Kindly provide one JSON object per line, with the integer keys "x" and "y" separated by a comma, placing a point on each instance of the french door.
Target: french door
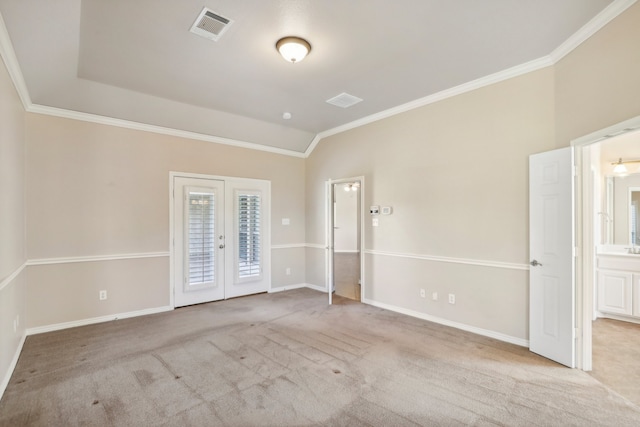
{"x": 221, "y": 238}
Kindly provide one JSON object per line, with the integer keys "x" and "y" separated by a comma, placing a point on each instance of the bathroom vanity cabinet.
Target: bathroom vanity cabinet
{"x": 618, "y": 284}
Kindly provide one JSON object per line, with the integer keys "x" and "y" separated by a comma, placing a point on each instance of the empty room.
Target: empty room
{"x": 297, "y": 212}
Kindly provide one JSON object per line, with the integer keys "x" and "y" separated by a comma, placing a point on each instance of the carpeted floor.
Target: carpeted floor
{"x": 288, "y": 359}
{"x": 616, "y": 356}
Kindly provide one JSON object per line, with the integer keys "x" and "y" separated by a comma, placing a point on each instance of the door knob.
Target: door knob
{"x": 535, "y": 263}
{"x": 221, "y": 246}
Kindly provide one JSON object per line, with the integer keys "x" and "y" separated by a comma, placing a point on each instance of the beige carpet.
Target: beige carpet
{"x": 616, "y": 356}
{"x": 287, "y": 359}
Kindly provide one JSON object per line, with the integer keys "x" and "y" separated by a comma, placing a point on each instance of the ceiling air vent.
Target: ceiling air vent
{"x": 344, "y": 100}
{"x": 210, "y": 25}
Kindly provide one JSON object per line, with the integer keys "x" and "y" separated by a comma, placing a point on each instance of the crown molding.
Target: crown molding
{"x": 11, "y": 61}
{"x": 128, "y": 124}
{"x": 7, "y": 52}
{"x": 590, "y": 28}
{"x": 500, "y": 76}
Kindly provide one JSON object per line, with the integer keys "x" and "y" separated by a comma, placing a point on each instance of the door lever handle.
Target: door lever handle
{"x": 535, "y": 263}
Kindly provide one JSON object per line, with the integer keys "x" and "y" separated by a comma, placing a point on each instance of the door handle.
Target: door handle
{"x": 221, "y": 246}
{"x": 535, "y": 263}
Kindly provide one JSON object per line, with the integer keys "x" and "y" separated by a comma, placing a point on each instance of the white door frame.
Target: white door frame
{"x": 585, "y": 240}
{"x": 329, "y": 234}
{"x": 226, "y": 179}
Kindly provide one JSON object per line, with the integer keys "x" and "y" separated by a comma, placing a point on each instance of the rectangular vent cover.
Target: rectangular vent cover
{"x": 344, "y": 100}
{"x": 210, "y": 25}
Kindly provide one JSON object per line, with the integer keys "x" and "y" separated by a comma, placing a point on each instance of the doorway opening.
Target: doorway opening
{"x": 591, "y": 227}
{"x": 609, "y": 300}
{"x": 345, "y": 239}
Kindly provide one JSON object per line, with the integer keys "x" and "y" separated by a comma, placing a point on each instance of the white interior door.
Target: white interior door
{"x": 330, "y": 237}
{"x": 198, "y": 241}
{"x": 222, "y": 239}
{"x": 551, "y": 240}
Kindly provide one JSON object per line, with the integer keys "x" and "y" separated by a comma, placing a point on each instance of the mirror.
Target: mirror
{"x": 621, "y": 225}
{"x": 634, "y": 225}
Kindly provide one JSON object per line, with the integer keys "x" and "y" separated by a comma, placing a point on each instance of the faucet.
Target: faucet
{"x": 633, "y": 250}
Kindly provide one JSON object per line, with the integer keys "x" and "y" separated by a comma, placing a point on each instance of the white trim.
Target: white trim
{"x": 287, "y": 288}
{"x": 298, "y": 286}
{"x": 482, "y": 263}
{"x": 620, "y": 318}
{"x": 12, "y": 366}
{"x": 93, "y": 320}
{"x": 312, "y": 146}
{"x": 69, "y": 260}
{"x": 479, "y": 331}
{"x": 13, "y": 67}
{"x": 500, "y": 76}
{"x": 316, "y": 246}
{"x": 584, "y": 265}
{"x": 12, "y": 276}
{"x": 590, "y": 28}
{"x": 289, "y": 246}
{"x": 603, "y": 18}
{"x": 316, "y": 287}
{"x": 348, "y": 251}
{"x": 128, "y": 124}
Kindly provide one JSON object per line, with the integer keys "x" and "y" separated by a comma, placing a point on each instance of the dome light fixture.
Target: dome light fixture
{"x": 293, "y": 49}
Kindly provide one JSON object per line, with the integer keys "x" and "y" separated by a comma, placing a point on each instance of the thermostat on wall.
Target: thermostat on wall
{"x": 387, "y": 210}
{"x": 374, "y": 210}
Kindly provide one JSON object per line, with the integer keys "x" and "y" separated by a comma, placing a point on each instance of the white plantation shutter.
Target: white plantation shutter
{"x": 200, "y": 236}
{"x": 249, "y": 235}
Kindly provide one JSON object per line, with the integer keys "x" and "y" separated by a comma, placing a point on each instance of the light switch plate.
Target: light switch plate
{"x": 374, "y": 222}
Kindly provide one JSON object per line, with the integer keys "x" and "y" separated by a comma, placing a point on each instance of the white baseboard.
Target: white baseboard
{"x": 91, "y": 321}
{"x": 316, "y": 287}
{"x": 287, "y": 288}
{"x": 12, "y": 366}
{"x": 621, "y": 318}
{"x": 484, "y": 332}
{"x": 298, "y": 286}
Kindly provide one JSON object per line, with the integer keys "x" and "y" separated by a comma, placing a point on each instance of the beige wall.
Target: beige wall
{"x": 96, "y": 190}
{"x": 12, "y": 223}
{"x": 456, "y": 175}
{"x": 598, "y": 84}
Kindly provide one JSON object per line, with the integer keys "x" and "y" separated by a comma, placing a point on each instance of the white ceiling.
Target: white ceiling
{"x": 136, "y": 59}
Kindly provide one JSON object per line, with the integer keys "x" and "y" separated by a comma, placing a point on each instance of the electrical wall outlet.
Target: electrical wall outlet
{"x": 452, "y": 298}
{"x": 434, "y": 296}
{"x": 423, "y": 293}
{"x": 102, "y": 295}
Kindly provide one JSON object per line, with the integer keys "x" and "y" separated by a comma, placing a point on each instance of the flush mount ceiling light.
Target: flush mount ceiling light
{"x": 620, "y": 169}
{"x": 293, "y": 49}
